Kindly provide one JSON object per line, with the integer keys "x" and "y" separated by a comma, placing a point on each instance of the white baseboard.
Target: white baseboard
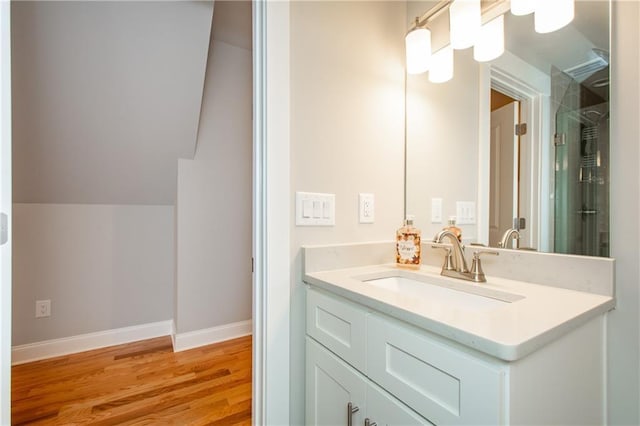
{"x": 207, "y": 336}
{"x": 85, "y": 342}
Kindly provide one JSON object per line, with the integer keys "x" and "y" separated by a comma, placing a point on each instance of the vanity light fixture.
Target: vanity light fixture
{"x": 441, "y": 65}
{"x": 490, "y": 42}
{"x": 466, "y": 30}
{"x": 465, "y": 19}
{"x": 418, "y": 49}
{"x": 523, "y": 7}
{"x": 550, "y": 16}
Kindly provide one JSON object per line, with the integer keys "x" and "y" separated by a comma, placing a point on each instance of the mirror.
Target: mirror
{"x": 550, "y": 183}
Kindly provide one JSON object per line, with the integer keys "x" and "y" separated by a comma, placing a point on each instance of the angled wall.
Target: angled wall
{"x": 213, "y": 209}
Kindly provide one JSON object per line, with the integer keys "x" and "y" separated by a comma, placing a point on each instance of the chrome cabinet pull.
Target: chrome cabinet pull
{"x": 368, "y": 422}
{"x": 351, "y": 409}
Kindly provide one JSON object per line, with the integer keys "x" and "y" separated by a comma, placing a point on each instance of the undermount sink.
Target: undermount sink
{"x": 442, "y": 291}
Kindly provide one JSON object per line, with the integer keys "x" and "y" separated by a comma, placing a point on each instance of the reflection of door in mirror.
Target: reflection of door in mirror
{"x": 504, "y": 167}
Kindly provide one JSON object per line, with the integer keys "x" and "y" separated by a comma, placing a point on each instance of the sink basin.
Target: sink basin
{"x": 443, "y": 292}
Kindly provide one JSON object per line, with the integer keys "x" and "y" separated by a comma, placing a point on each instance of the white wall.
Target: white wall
{"x": 102, "y": 267}
{"x": 347, "y": 132}
{"x": 624, "y": 322}
{"x": 214, "y": 196}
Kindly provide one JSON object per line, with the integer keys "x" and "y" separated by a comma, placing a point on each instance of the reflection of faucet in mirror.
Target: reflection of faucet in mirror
{"x": 510, "y": 235}
{"x": 459, "y": 268}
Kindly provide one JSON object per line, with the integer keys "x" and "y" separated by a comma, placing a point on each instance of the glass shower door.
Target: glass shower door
{"x": 581, "y": 177}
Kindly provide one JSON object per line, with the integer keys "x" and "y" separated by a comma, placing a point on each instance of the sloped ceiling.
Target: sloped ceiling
{"x": 106, "y": 98}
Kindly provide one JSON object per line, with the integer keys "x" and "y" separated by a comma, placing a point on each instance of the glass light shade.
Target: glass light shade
{"x": 418, "y": 45}
{"x": 441, "y": 69}
{"x": 464, "y": 20}
{"x": 553, "y": 15}
{"x": 490, "y": 43}
{"x": 523, "y": 7}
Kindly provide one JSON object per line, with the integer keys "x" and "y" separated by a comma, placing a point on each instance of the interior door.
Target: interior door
{"x": 5, "y": 214}
{"x": 503, "y": 178}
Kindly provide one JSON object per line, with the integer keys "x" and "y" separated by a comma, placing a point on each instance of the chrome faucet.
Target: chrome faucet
{"x": 508, "y": 235}
{"x": 457, "y": 267}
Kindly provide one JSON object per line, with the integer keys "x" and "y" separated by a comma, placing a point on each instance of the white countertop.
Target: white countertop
{"x": 509, "y": 332}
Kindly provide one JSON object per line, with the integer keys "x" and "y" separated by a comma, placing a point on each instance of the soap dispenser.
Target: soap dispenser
{"x": 453, "y": 228}
{"x": 408, "y": 250}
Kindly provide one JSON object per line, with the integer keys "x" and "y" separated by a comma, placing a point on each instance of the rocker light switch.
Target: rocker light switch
{"x": 315, "y": 209}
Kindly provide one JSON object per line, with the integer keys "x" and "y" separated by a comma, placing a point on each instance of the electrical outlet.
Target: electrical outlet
{"x": 436, "y": 210}
{"x": 367, "y": 208}
{"x": 43, "y": 308}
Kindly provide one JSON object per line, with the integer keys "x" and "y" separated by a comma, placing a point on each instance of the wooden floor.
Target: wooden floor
{"x": 142, "y": 383}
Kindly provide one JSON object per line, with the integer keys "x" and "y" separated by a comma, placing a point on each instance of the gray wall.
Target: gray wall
{"x": 347, "y": 132}
{"x": 102, "y": 267}
{"x": 214, "y": 199}
{"x": 106, "y": 97}
{"x": 624, "y": 322}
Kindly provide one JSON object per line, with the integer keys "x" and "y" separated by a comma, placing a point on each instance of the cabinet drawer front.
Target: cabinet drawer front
{"x": 338, "y": 325}
{"x": 443, "y": 384}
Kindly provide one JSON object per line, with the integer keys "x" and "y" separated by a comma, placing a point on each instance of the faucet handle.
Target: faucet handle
{"x": 477, "y": 274}
{"x": 448, "y": 259}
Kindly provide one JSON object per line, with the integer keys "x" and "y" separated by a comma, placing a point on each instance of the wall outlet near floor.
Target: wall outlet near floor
{"x": 43, "y": 308}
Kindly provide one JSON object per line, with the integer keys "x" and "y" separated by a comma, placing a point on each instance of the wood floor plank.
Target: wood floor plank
{"x": 141, "y": 383}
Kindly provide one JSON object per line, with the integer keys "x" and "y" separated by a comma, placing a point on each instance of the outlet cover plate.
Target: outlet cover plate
{"x": 43, "y": 308}
{"x": 366, "y": 208}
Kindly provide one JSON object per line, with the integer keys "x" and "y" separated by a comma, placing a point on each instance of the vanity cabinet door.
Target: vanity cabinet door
{"x": 385, "y": 410}
{"x": 443, "y": 384}
{"x": 339, "y": 325}
{"x": 331, "y": 385}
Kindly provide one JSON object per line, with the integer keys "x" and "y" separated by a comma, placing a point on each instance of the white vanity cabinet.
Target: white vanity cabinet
{"x": 398, "y": 374}
{"x": 338, "y": 395}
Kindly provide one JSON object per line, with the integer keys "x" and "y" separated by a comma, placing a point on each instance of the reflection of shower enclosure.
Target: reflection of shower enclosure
{"x": 581, "y": 215}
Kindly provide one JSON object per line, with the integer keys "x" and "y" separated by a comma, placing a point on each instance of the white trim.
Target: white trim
{"x": 85, "y": 342}
{"x": 258, "y": 386}
{"x": 208, "y": 336}
{"x": 533, "y": 91}
{"x": 271, "y": 214}
{"x": 5, "y": 207}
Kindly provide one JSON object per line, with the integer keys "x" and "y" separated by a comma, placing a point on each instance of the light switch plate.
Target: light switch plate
{"x": 366, "y": 208}
{"x": 315, "y": 209}
{"x": 465, "y": 212}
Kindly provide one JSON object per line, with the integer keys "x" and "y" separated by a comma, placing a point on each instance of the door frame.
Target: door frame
{"x": 5, "y": 207}
{"x": 532, "y": 88}
{"x": 271, "y": 213}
